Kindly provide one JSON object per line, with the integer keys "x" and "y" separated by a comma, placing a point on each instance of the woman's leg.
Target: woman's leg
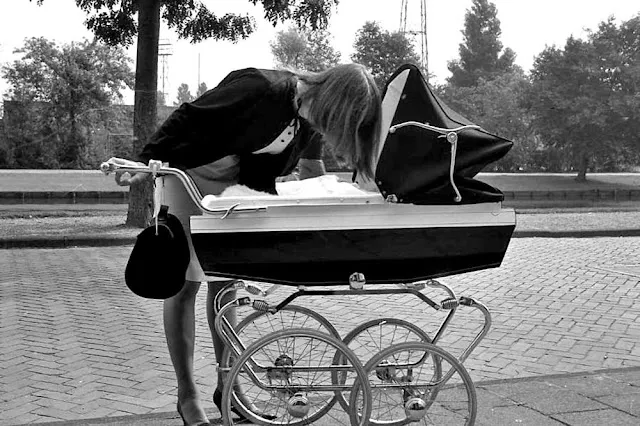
{"x": 179, "y": 326}
{"x": 218, "y": 345}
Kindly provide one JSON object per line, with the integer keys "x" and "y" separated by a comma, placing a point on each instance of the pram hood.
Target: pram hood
{"x": 413, "y": 163}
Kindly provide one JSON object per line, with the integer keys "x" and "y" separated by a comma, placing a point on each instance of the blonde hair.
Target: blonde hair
{"x": 345, "y": 106}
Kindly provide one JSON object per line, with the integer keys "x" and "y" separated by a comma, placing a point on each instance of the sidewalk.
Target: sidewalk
{"x": 605, "y": 397}
{"x": 564, "y": 348}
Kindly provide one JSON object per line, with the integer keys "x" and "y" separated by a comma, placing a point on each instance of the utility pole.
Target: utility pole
{"x": 164, "y": 51}
{"x": 409, "y": 26}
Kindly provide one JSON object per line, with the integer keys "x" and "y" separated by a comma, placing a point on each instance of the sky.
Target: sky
{"x": 527, "y": 27}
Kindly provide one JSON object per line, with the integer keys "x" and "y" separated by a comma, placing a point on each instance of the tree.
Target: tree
{"x": 201, "y": 89}
{"x": 382, "y": 52}
{"x": 61, "y": 93}
{"x": 564, "y": 91}
{"x": 305, "y": 50}
{"x": 619, "y": 51}
{"x": 288, "y": 48}
{"x": 184, "y": 95}
{"x": 481, "y": 53}
{"x": 114, "y": 21}
{"x": 584, "y": 97}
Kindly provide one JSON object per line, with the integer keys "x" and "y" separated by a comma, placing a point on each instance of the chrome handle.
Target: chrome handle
{"x": 451, "y": 135}
{"x": 156, "y": 168}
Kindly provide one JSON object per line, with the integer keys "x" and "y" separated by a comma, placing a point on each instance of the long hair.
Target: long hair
{"x": 345, "y": 106}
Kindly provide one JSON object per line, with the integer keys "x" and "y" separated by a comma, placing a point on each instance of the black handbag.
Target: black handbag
{"x": 158, "y": 262}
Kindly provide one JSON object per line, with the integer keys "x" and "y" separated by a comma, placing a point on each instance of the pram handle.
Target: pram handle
{"x": 157, "y": 168}
{"x": 451, "y": 135}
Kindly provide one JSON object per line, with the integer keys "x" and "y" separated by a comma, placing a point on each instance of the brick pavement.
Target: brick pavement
{"x": 77, "y": 344}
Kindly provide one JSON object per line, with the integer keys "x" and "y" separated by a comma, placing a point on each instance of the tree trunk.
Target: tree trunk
{"x": 582, "y": 169}
{"x": 145, "y": 106}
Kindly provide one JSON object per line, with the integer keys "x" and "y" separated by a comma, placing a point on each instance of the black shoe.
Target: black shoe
{"x": 217, "y": 400}
{"x": 179, "y": 410}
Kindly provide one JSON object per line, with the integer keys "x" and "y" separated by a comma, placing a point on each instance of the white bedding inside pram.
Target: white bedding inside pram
{"x": 327, "y": 189}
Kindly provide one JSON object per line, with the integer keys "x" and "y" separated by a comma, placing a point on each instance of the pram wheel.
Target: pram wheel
{"x": 373, "y": 336}
{"x": 259, "y": 324}
{"x": 406, "y": 387}
{"x": 288, "y": 375}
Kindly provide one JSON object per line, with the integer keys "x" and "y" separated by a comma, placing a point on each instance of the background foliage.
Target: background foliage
{"x": 577, "y": 109}
{"x": 382, "y": 51}
{"x": 61, "y": 97}
{"x": 304, "y": 50}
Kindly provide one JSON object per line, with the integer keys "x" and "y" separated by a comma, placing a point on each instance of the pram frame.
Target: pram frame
{"x": 233, "y": 341}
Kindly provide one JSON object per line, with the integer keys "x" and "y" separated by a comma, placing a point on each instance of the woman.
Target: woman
{"x": 252, "y": 128}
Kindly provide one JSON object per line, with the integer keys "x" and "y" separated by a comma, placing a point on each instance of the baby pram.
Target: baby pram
{"x": 428, "y": 218}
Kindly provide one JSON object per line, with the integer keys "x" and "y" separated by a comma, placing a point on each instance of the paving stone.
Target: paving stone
{"x": 598, "y": 418}
{"x": 629, "y": 377}
{"x": 545, "y": 397}
{"x": 514, "y": 414}
{"x": 592, "y": 385}
{"x": 628, "y": 402}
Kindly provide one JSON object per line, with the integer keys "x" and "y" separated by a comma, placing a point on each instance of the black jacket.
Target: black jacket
{"x": 244, "y": 113}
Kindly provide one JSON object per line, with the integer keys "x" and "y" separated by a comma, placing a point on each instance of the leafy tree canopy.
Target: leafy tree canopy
{"x": 382, "y": 51}
{"x": 61, "y": 93}
{"x": 87, "y": 73}
{"x": 201, "y": 89}
{"x": 184, "y": 95}
{"x": 584, "y": 97}
{"x": 114, "y": 21}
{"x": 306, "y": 50}
{"x": 481, "y": 52}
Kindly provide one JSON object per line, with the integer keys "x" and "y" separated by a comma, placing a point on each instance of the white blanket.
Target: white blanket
{"x": 324, "y": 187}
{"x": 318, "y": 187}
{"x": 321, "y": 186}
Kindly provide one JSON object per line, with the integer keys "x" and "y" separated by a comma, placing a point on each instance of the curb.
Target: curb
{"x": 122, "y": 196}
{"x": 596, "y": 233}
{"x": 105, "y": 241}
{"x": 556, "y": 376}
{"x": 64, "y": 242}
{"x": 163, "y": 418}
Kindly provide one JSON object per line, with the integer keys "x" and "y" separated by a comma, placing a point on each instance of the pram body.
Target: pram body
{"x": 412, "y": 229}
{"x": 324, "y": 241}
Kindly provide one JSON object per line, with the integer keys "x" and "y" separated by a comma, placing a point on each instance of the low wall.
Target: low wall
{"x": 523, "y": 199}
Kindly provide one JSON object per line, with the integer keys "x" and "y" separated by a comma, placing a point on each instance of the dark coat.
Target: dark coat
{"x": 244, "y": 113}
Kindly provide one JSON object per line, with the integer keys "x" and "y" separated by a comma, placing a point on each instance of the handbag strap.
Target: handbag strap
{"x": 161, "y": 216}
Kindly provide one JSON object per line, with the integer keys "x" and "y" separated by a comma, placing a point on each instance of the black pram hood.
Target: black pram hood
{"x": 414, "y": 163}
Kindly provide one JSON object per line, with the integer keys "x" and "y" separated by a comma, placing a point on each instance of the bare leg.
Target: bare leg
{"x": 218, "y": 345}
{"x": 179, "y": 326}
{"x": 214, "y": 288}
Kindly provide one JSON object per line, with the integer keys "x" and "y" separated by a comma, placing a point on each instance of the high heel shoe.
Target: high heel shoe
{"x": 179, "y": 410}
{"x": 217, "y": 400}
